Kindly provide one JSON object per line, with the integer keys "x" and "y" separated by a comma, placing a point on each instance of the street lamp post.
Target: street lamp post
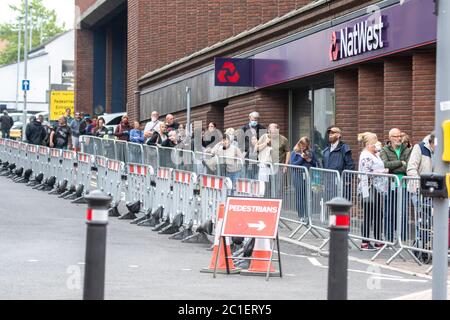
{"x": 440, "y": 214}
{"x": 25, "y": 72}
{"x": 19, "y": 42}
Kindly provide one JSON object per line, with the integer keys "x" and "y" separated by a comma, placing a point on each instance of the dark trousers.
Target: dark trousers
{"x": 5, "y": 133}
{"x": 391, "y": 216}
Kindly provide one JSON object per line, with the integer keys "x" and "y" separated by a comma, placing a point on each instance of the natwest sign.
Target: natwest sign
{"x": 236, "y": 72}
{"x": 363, "y": 37}
{"x": 251, "y": 217}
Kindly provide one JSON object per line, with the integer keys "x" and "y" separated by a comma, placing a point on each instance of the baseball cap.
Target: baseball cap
{"x": 334, "y": 130}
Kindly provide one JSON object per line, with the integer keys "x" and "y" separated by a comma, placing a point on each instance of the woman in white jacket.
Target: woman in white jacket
{"x": 371, "y": 189}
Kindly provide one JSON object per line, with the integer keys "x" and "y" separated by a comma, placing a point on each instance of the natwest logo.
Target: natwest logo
{"x": 352, "y": 41}
{"x": 228, "y": 73}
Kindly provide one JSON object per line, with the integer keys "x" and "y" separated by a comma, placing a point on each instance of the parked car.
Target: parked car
{"x": 112, "y": 120}
{"x": 16, "y": 130}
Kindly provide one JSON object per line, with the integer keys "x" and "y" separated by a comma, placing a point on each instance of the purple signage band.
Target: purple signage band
{"x": 394, "y": 29}
{"x": 234, "y": 72}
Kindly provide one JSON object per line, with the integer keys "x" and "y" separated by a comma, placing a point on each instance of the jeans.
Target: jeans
{"x": 233, "y": 176}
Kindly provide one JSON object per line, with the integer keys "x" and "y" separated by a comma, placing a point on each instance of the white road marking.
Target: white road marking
{"x": 133, "y": 266}
{"x": 315, "y": 262}
{"x": 290, "y": 275}
{"x": 186, "y": 269}
{"x": 81, "y": 263}
{"x": 33, "y": 260}
{"x": 401, "y": 280}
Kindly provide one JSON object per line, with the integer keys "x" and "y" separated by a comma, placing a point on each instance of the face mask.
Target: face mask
{"x": 377, "y": 148}
{"x": 154, "y": 119}
{"x": 253, "y": 123}
{"x": 231, "y": 137}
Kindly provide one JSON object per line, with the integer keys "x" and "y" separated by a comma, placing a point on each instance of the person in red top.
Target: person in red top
{"x": 123, "y": 129}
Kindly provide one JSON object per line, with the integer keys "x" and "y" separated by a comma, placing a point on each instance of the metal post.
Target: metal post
{"x": 31, "y": 29}
{"x": 188, "y": 107}
{"x": 19, "y": 42}
{"x": 440, "y": 216}
{"x": 338, "y": 258}
{"x": 97, "y": 220}
{"x": 25, "y": 72}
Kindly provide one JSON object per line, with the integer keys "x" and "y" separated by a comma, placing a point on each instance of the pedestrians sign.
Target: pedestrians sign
{"x": 25, "y": 85}
{"x": 251, "y": 217}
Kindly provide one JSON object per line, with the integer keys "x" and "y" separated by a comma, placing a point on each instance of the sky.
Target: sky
{"x": 65, "y": 10}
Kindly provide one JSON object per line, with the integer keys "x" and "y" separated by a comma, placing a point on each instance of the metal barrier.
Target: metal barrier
{"x": 137, "y": 184}
{"x": 185, "y": 202}
{"x": 121, "y": 152}
{"x": 167, "y": 157}
{"x": 2, "y": 149}
{"x": 206, "y": 163}
{"x": 44, "y": 161}
{"x": 69, "y": 169}
{"x": 33, "y": 158}
{"x": 102, "y": 169}
{"x": 163, "y": 196}
{"x": 84, "y": 170}
{"x": 87, "y": 144}
{"x": 415, "y": 233}
{"x": 324, "y": 185}
{"x": 55, "y": 164}
{"x": 113, "y": 183}
{"x": 108, "y": 148}
{"x": 151, "y": 156}
{"x": 213, "y": 191}
{"x": 232, "y": 168}
{"x": 377, "y": 206}
{"x": 184, "y": 160}
{"x": 292, "y": 185}
{"x": 135, "y": 153}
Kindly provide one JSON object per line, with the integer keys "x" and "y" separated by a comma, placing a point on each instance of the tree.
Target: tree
{"x": 42, "y": 21}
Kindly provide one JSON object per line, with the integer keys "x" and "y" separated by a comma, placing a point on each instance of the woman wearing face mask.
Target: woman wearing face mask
{"x": 123, "y": 129}
{"x": 371, "y": 190}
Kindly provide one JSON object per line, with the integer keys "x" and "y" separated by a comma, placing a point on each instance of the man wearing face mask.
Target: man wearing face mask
{"x": 395, "y": 156}
{"x": 250, "y": 130}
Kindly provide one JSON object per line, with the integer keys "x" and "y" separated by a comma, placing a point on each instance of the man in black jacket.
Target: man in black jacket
{"x": 35, "y": 133}
{"x": 6, "y": 123}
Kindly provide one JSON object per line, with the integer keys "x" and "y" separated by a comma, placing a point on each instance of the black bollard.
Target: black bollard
{"x": 339, "y": 223}
{"x": 97, "y": 220}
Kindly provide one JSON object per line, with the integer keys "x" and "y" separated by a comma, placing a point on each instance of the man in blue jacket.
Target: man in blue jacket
{"x": 338, "y": 155}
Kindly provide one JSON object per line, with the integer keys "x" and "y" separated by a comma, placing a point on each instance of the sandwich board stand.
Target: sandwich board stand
{"x": 253, "y": 218}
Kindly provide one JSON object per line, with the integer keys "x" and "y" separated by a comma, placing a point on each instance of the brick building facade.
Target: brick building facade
{"x": 172, "y": 44}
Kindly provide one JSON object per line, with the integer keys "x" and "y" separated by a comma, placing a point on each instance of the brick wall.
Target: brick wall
{"x": 371, "y": 99}
{"x": 423, "y": 96}
{"x": 84, "y": 4}
{"x": 397, "y": 95}
{"x": 271, "y": 105}
{"x": 205, "y": 114}
{"x": 161, "y": 32}
{"x": 346, "y": 89}
{"x": 84, "y": 70}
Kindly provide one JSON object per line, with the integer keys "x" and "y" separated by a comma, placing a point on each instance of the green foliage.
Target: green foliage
{"x": 44, "y": 26}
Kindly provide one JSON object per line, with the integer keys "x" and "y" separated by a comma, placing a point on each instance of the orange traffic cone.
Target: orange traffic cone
{"x": 221, "y": 262}
{"x": 261, "y": 250}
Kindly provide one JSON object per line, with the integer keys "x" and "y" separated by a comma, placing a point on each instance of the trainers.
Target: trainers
{"x": 367, "y": 246}
{"x": 379, "y": 245}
